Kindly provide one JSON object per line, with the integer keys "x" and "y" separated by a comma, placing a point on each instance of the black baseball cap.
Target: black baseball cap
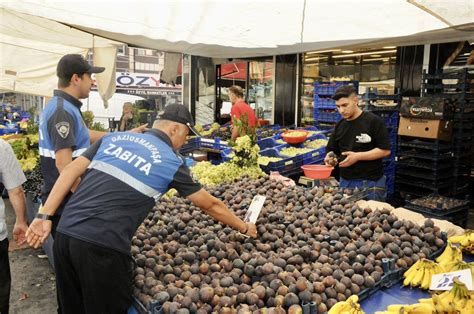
{"x": 75, "y": 64}
{"x": 179, "y": 113}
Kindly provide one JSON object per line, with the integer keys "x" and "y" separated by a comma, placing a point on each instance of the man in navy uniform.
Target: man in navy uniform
{"x": 62, "y": 131}
{"x": 126, "y": 174}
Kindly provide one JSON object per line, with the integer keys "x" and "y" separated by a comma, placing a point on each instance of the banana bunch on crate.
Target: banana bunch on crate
{"x": 349, "y": 306}
{"x": 466, "y": 241}
{"x": 458, "y": 300}
{"x": 420, "y": 273}
{"x": 418, "y": 308}
{"x": 452, "y": 253}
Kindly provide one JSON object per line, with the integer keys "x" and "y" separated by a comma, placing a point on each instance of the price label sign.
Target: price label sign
{"x": 254, "y": 209}
{"x": 445, "y": 281}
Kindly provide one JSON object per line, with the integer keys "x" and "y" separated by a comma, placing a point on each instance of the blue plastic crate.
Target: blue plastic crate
{"x": 191, "y": 144}
{"x": 6, "y": 131}
{"x": 390, "y": 118}
{"x": 301, "y": 157}
{"x": 316, "y": 158}
{"x": 323, "y": 116}
{"x": 268, "y": 142}
{"x": 285, "y": 166}
{"x": 328, "y": 88}
{"x": 324, "y": 103}
{"x": 215, "y": 143}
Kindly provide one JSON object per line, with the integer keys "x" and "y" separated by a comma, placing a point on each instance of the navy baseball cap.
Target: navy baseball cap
{"x": 179, "y": 113}
{"x": 75, "y": 64}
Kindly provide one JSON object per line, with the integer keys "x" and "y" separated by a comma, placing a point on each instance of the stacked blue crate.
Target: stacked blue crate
{"x": 391, "y": 122}
{"x": 325, "y": 111}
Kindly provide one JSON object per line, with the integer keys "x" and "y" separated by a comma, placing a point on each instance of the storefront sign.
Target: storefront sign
{"x": 149, "y": 91}
{"x": 137, "y": 79}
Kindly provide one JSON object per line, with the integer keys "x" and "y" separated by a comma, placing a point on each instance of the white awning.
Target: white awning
{"x": 245, "y": 28}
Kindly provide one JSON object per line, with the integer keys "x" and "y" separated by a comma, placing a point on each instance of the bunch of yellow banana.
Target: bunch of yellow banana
{"x": 457, "y": 265}
{"x": 465, "y": 240}
{"x": 420, "y": 273}
{"x": 350, "y": 306}
{"x": 456, "y": 300}
{"x": 450, "y": 254}
{"x": 417, "y": 308}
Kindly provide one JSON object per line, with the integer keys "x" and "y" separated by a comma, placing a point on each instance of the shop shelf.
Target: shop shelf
{"x": 328, "y": 88}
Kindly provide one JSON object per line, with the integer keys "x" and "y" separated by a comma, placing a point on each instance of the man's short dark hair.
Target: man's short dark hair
{"x": 344, "y": 92}
{"x": 237, "y": 91}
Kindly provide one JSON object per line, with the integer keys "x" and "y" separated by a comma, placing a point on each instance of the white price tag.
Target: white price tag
{"x": 445, "y": 281}
{"x": 255, "y": 208}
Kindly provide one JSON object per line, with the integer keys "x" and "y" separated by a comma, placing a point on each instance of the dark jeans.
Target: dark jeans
{"x": 91, "y": 278}
{"x": 5, "y": 277}
{"x": 377, "y": 189}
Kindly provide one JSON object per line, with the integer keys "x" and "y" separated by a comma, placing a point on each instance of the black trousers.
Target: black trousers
{"x": 5, "y": 277}
{"x": 91, "y": 278}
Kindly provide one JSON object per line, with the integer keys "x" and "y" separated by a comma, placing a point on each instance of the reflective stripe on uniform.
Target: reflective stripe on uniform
{"x": 51, "y": 154}
{"x": 125, "y": 178}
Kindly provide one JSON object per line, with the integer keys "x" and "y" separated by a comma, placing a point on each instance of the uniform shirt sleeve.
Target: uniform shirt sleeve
{"x": 184, "y": 183}
{"x": 92, "y": 150}
{"x": 380, "y": 134}
{"x": 11, "y": 174}
{"x": 61, "y": 130}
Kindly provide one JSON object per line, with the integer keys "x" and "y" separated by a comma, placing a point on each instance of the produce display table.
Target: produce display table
{"x": 397, "y": 294}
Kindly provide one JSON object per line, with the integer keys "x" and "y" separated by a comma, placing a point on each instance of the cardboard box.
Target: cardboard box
{"x": 428, "y": 108}
{"x": 435, "y": 129}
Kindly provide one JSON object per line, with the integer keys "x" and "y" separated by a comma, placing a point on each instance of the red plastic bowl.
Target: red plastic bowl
{"x": 317, "y": 171}
{"x": 294, "y": 139}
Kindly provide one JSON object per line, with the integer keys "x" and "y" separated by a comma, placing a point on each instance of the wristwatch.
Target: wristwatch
{"x": 44, "y": 216}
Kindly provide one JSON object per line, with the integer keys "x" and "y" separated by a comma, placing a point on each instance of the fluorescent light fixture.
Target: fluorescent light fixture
{"x": 322, "y": 51}
{"x": 466, "y": 54}
{"x": 347, "y": 51}
{"x": 376, "y": 56}
{"x": 364, "y": 53}
{"x": 377, "y": 59}
{"x": 315, "y": 58}
{"x": 389, "y": 47}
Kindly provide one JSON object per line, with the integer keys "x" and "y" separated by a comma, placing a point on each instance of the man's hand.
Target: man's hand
{"x": 139, "y": 129}
{"x": 38, "y": 231}
{"x": 251, "y": 230}
{"x": 330, "y": 160}
{"x": 351, "y": 158}
{"x": 19, "y": 232}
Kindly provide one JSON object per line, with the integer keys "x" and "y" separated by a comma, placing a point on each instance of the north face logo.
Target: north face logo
{"x": 363, "y": 138}
{"x": 63, "y": 129}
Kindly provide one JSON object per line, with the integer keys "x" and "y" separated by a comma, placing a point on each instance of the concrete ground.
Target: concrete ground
{"x": 33, "y": 282}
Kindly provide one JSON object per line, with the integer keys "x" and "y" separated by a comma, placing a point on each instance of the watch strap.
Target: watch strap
{"x": 44, "y": 216}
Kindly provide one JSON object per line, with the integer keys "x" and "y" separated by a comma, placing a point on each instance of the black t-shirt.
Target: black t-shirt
{"x": 360, "y": 135}
{"x": 109, "y": 205}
